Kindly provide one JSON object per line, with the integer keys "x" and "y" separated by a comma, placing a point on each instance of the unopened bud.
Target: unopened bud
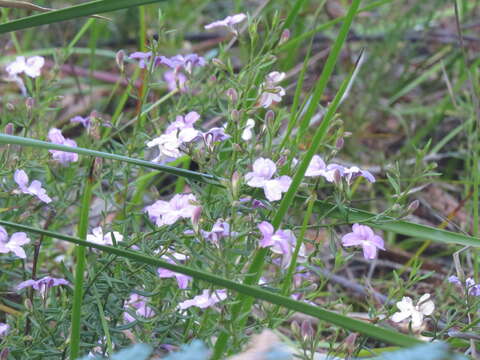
{"x": 349, "y": 343}
{"x": 284, "y": 37}
{"x": 269, "y": 116}
{"x": 235, "y": 115}
{"x": 281, "y": 161}
{"x": 340, "y": 142}
{"x": 295, "y": 328}
{"x": 28, "y": 304}
{"x": 29, "y": 103}
{"x": 4, "y": 354}
{"x": 9, "y": 129}
{"x": 196, "y": 215}
{"x": 232, "y": 95}
{"x": 307, "y": 331}
{"x": 236, "y": 184}
{"x": 120, "y": 60}
{"x": 219, "y": 63}
{"x": 213, "y": 79}
{"x": 10, "y": 107}
{"x": 337, "y": 177}
{"x": 413, "y": 206}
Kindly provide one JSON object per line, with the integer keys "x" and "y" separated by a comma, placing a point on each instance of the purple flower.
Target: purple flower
{"x": 35, "y": 188}
{"x": 214, "y": 135}
{"x": 85, "y": 121}
{"x": 4, "y": 329}
{"x": 220, "y": 230}
{"x": 179, "y": 62}
{"x": 363, "y": 235}
{"x": 183, "y": 122}
{"x": 43, "y": 284}
{"x": 454, "y": 280}
{"x": 473, "y": 289}
{"x": 331, "y": 172}
{"x": 229, "y": 22}
{"x": 176, "y": 81}
{"x": 14, "y": 244}
{"x": 281, "y": 242}
{"x": 143, "y": 57}
{"x": 205, "y": 300}
{"x": 55, "y": 136}
{"x": 182, "y": 280}
{"x": 261, "y": 176}
{"x": 168, "y": 212}
{"x": 139, "y": 303}
{"x": 31, "y": 66}
{"x": 97, "y": 237}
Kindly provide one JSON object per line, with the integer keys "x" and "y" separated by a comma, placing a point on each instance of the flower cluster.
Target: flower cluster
{"x": 473, "y": 289}
{"x": 220, "y": 230}
{"x": 42, "y": 285}
{"x": 34, "y": 189}
{"x": 182, "y": 132}
{"x": 262, "y": 177}
{"x": 55, "y": 136}
{"x": 14, "y": 243}
{"x": 333, "y": 172}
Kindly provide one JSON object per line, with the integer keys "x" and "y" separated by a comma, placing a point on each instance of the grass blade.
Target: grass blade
{"x": 72, "y": 12}
{"x": 193, "y": 175}
{"x": 383, "y": 334}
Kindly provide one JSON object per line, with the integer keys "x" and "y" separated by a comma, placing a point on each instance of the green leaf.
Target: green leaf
{"x": 72, "y": 12}
{"x": 345, "y": 322}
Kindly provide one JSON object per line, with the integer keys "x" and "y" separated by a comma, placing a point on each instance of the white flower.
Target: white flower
{"x": 247, "y": 133}
{"x": 270, "y": 92}
{"x": 31, "y": 66}
{"x": 229, "y": 22}
{"x": 97, "y": 237}
{"x": 424, "y": 307}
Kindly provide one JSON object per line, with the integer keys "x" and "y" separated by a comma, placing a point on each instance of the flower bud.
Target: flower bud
{"x": 413, "y": 207}
{"x": 4, "y": 354}
{"x": 269, "y": 117}
{"x": 9, "y": 129}
{"x": 28, "y": 305}
{"x": 10, "y": 107}
{"x": 235, "y": 115}
{"x": 307, "y": 330}
{"x": 196, "y": 215}
{"x": 219, "y": 63}
{"x": 232, "y": 95}
{"x": 295, "y": 328}
{"x": 236, "y": 184}
{"x": 340, "y": 142}
{"x": 284, "y": 37}
{"x": 120, "y": 60}
{"x": 29, "y": 103}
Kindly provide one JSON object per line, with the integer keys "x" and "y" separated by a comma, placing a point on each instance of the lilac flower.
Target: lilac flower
{"x": 363, "y": 235}
{"x": 85, "y": 121}
{"x": 179, "y": 62}
{"x": 182, "y": 280}
{"x": 261, "y": 176}
{"x": 139, "y": 303}
{"x": 205, "y": 300}
{"x": 176, "y": 81}
{"x": 229, "y": 22}
{"x": 247, "y": 132}
{"x": 256, "y": 204}
{"x": 281, "y": 242}
{"x": 55, "y": 136}
{"x": 168, "y": 212}
{"x": 43, "y": 284}
{"x": 4, "y": 329}
{"x": 35, "y": 188}
{"x": 31, "y": 66}
{"x": 220, "y": 230}
{"x": 97, "y": 237}
{"x": 270, "y": 92}
{"x": 143, "y": 57}
{"x": 215, "y": 135}
{"x": 182, "y": 123}
{"x": 14, "y": 244}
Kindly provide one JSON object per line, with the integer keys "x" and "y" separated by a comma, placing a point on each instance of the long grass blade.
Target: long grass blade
{"x": 382, "y": 334}
{"x": 72, "y": 12}
{"x": 193, "y": 175}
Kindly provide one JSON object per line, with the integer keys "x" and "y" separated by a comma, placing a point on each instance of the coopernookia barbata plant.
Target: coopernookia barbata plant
{"x": 206, "y": 191}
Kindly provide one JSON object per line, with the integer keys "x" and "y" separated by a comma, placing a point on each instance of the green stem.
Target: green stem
{"x": 80, "y": 268}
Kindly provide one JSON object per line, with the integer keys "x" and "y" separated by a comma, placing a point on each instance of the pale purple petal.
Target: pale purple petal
{"x": 21, "y": 178}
